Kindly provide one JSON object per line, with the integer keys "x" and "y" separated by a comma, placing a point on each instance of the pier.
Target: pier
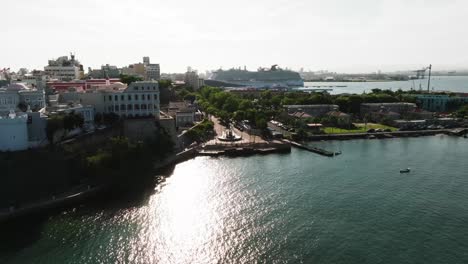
{"x": 394, "y": 134}
{"x": 316, "y": 150}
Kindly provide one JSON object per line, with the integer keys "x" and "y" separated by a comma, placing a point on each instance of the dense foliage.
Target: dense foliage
{"x": 258, "y": 109}
{"x": 66, "y": 122}
{"x": 462, "y": 112}
{"x": 201, "y": 132}
{"x": 107, "y": 119}
{"x": 119, "y": 159}
{"x": 112, "y": 160}
{"x": 128, "y": 79}
{"x": 166, "y": 93}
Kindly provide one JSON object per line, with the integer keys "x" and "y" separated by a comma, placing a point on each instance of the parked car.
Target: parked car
{"x": 371, "y": 130}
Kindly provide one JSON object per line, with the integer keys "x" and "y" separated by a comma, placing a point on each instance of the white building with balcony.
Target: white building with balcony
{"x": 139, "y": 99}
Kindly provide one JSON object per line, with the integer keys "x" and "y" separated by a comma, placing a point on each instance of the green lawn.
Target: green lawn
{"x": 361, "y": 128}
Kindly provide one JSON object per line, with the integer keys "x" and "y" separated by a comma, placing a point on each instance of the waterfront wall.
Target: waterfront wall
{"x": 13, "y": 133}
{"x": 140, "y": 129}
{"x": 379, "y": 135}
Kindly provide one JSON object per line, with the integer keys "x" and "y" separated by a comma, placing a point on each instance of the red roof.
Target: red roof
{"x": 85, "y": 84}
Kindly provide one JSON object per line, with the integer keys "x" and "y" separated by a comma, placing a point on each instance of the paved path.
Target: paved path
{"x": 246, "y": 137}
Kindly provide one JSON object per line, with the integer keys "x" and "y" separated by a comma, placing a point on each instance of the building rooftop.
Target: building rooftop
{"x": 337, "y": 114}
{"x": 310, "y": 106}
{"x": 388, "y": 104}
{"x": 300, "y": 115}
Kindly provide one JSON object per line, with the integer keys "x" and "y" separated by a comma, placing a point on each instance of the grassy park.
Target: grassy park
{"x": 359, "y": 128}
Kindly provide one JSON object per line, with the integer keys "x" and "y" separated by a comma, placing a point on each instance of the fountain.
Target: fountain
{"x": 229, "y": 135}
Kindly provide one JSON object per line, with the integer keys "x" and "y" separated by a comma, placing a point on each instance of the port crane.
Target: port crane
{"x": 420, "y": 74}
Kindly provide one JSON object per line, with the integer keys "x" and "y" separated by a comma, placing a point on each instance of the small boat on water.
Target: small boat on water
{"x": 405, "y": 170}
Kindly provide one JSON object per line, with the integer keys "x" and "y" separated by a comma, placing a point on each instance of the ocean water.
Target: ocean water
{"x": 285, "y": 208}
{"x": 438, "y": 83}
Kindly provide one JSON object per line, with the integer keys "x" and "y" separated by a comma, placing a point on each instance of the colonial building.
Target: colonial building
{"x": 312, "y": 110}
{"x": 86, "y": 111}
{"x": 20, "y": 131}
{"x": 138, "y": 99}
{"x": 60, "y": 86}
{"x": 183, "y": 113}
{"x": 13, "y": 95}
{"x": 13, "y": 132}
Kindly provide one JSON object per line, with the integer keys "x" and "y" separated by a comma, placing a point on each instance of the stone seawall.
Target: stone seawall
{"x": 381, "y": 135}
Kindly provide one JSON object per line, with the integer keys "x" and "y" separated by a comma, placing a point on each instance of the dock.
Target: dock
{"x": 394, "y": 134}
{"x": 316, "y": 150}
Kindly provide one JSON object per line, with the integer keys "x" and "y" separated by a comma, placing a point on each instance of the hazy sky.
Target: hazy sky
{"x": 338, "y": 35}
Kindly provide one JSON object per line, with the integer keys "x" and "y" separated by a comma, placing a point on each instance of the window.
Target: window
{"x": 143, "y": 107}
{"x": 116, "y": 108}
{"x": 122, "y": 98}
{"x": 150, "y": 106}
{"x": 136, "y": 88}
{"x": 110, "y": 98}
{"x": 142, "y": 97}
{"x": 129, "y": 97}
{"x": 116, "y": 98}
{"x": 155, "y": 97}
{"x": 137, "y": 107}
{"x": 136, "y": 96}
{"x": 122, "y": 107}
{"x": 129, "y": 107}
{"x": 148, "y": 97}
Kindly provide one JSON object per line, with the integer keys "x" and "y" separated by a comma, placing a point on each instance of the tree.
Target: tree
{"x": 190, "y": 97}
{"x": 276, "y": 101}
{"x": 98, "y": 119}
{"x": 22, "y": 106}
{"x": 239, "y": 115}
{"x": 224, "y": 117}
{"x": 245, "y": 105}
{"x": 261, "y": 123}
{"x": 165, "y": 91}
{"x": 462, "y": 112}
{"x": 72, "y": 121}
{"x": 301, "y": 134}
{"x": 54, "y": 124}
{"x": 231, "y": 104}
{"x": 128, "y": 79}
{"x": 110, "y": 119}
